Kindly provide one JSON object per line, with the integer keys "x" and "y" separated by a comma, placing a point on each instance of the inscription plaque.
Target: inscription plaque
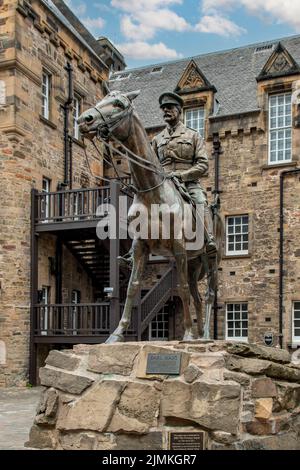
{"x": 165, "y": 364}
{"x": 187, "y": 440}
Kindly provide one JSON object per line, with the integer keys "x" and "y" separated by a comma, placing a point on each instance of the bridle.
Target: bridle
{"x": 104, "y": 134}
{"x": 108, "y": 126}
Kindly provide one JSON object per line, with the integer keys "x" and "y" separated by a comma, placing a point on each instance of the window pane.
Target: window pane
{"x": 280, "y": 122}
{"x": 236, "y": 328}
{"x": 237, "y": 233}
{"x": 194, "y": 118}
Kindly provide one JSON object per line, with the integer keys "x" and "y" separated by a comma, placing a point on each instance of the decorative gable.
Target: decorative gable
{"x": 280, "y": 63}
{"x": 193, "y": 80}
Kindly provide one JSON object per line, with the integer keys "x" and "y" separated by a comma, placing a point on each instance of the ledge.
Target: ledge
{"x": 293, "y": 345}
{"x": 279, "y": 165}
{"x": 78, "y": 142}
{"x": 236, "y": 256}
{"x": 47, "y": 122}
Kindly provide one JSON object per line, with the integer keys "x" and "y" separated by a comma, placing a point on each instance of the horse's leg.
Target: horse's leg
{"x": 184, "y": 290}
{"x": 140, "y": 256}
{"x": 194, "y": 276}
{"x": 210, "y": 296}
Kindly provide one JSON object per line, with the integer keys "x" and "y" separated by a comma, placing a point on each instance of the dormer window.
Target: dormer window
{"x": 157, "y": 70}
{"x": 194, "y": 118}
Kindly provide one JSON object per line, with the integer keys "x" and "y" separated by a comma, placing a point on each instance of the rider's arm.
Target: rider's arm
{"x": 200, "y": 165}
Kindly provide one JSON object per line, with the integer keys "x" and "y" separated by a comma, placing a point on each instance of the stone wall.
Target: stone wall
{"x": 32, "y": 148}
{"x": 249, "y": 186}
{"x": 100, "y": 397}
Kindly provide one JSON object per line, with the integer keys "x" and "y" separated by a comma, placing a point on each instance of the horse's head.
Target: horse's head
{"x": 109, "y": 116}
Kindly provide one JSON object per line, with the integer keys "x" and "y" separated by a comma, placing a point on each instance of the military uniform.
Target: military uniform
{"x": 183, "y": 150}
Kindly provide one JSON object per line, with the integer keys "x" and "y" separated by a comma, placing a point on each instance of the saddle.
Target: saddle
{"x": 180, "y": 186}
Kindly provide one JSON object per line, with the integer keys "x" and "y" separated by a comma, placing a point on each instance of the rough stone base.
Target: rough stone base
{"x": 100, "y": 398}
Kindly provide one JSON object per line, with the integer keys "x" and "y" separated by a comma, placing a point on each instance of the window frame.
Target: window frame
{"x": 236, "y": 252}
{"x": 44, "y": 304}
{"x": 166, "y": 325}
{"x": 47, "y": 198}
{"x": 243, "y": 339}
{"x": 46, "y": 97}
{"x": 76, "y": 113}
{"x": 195, "y": 108}
{"x": 281, "y": 128}
{"x": 295, "y": 339}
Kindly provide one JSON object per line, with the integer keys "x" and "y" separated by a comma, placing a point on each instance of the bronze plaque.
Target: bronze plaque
{"x": 187, "y": 440}
{"x": 165, "y": 364}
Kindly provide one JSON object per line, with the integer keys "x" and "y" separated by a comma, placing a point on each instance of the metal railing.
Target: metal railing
{"x": 70, "y": 205}
{"x": 157, "y": 297}
{"x": 72, "y": 319}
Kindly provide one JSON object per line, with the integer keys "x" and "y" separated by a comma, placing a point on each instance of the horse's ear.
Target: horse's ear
{"x": 133, "y": 94}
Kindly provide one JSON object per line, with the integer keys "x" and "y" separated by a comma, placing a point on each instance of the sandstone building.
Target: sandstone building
{"x": 245, "y": 103}
{"x": 50, "y": 70}
{"x": 59, "y": 284}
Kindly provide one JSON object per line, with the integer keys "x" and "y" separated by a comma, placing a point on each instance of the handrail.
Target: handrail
{"x": 71, "y": 319}
{"x": 156, "y": 298}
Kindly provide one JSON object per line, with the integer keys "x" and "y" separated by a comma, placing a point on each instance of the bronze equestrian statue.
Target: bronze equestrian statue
{"x": 114, "y": 119}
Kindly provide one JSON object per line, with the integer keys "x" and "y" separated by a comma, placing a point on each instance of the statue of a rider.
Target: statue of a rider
{"x": 181, "y": 151}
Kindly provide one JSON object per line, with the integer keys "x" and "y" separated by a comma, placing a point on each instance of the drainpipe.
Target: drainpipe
{"x": 281, "y": 250}
{"x": 67, "y": 140}
{"x": 217, "y": 151}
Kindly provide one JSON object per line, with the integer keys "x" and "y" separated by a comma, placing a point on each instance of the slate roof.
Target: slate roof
{"x": 62, "y": 12}
{"x": 233, "y": 72}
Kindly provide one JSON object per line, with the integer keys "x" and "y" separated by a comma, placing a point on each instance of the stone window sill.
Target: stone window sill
{"x": 47, "y": 122}
{"x": 279, "y": 165}
{"x": 236, "y": 256}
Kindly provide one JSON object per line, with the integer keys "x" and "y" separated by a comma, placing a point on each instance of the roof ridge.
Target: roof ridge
{"x": 177, "y": 61}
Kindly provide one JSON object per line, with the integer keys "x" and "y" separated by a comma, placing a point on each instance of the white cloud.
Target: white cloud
{"x": 217, "y": 24}
{"x": 135, "y": 31}
{"x": 279, "y": 11}
{"x": 142, "y": 19}
{"x": 135, "y": 5}
{"x": 95, "y": 25}
{"x": 143, "y": 50}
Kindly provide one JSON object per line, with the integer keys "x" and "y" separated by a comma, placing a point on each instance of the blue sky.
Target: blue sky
{"x": 153, "y": 31}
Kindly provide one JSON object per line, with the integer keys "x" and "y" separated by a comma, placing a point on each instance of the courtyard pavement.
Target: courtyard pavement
{"x": 17, "y": 411}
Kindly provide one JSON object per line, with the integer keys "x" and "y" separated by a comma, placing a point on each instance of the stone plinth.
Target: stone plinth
{"x": 100, "y": 397}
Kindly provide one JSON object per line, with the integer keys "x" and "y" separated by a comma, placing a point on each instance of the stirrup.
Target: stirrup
{"x": 125, "y": 262}
{"x": 211, "y": 247}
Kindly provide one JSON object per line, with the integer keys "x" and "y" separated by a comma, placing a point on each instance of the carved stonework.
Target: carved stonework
{"x": 193, "y": 80}
{"x": 280, "y": 64}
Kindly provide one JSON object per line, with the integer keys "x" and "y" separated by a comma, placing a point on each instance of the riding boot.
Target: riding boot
{"x": 126, "y": 260}
{"x": 211, "y": 246}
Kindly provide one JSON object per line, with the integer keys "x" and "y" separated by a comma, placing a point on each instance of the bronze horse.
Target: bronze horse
{"x": 115, "y": 119}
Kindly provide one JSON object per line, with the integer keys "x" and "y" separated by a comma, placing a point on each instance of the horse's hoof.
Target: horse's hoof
{"x": 206, "y": 336}
{"x": 189, "y": 337}
{"x": 115, "y": 339}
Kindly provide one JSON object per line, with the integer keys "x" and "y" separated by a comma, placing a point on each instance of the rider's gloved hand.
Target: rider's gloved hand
{"x": 175, "y": 174}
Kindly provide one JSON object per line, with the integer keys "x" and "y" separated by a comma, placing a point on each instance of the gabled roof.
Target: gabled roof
{"x": 232, "y": 72}
{"x": 193, "y": 80}
{"x": 279, "y": 64}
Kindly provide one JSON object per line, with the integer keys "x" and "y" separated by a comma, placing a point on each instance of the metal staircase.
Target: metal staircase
{"x": 156, "y": 299}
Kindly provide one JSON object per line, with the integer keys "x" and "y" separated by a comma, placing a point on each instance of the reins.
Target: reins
{"x": 108, "y": 127}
